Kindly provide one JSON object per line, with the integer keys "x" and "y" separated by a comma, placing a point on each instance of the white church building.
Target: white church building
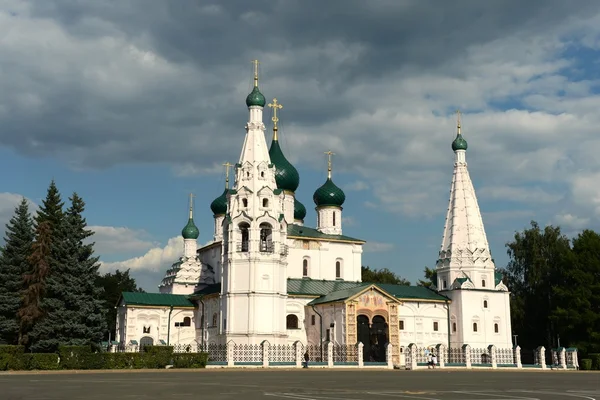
{"x": 267, "y": 275}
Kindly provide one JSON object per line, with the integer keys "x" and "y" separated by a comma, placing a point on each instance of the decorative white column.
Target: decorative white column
{"x": 493, "y": 356}
{"x": 562, "y": 358}
{"x": 441, "y": 353}
{"x": 412, "y": 348}
{"x": 298, "y": 346}
{"x": 517, "y": 356}
{"x": 388, "y": 356}
{"x": 265, "y": 354}
{"x": 230, "y": 348}
{"x": 542, "y": 356}
{"x": 467, "y": 353}
{"x": 361, "y": 350}
{"x": 329, "y": 354}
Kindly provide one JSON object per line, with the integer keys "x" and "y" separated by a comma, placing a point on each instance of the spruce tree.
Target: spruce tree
{"x": 35, "y": 282}
{"x": 13, "y": 266}
{"x": 53, "y": 329}
{"x": 88, "y": 322}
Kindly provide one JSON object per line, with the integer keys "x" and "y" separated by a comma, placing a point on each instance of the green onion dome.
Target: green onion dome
{"x": 219, "y": 205}
{"x": 190, "y": 231}
{"x": 286, "y": 175}
{"x": 329, "y": 195}
{"x": 255, "y": 98}
{"x": 459, "y": 143}
{"x": 299, "y": 210}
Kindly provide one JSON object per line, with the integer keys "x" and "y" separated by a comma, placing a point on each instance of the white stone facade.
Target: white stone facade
{"x": 239, "y": 284}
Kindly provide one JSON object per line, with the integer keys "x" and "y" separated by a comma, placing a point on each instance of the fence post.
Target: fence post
{"x": 298, "y": 346}
{"x": 493, "y": 356}
{"x": 542, "y": 356}
{"x": 330, "y": 354}
{"x": 441, "y": 354}
{"x": 230, "y": 353}
{"x": 467, "y": 353}
{"x": 412, "y": 348}
{"x": 361, "y": 362}
{"x": 265, "y": 353}
{"x": 562, "y": 358}
{"x": 517, "y": 356}
{"x": 388, "y": 356}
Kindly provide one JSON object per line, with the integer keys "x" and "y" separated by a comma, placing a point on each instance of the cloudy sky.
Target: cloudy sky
{"x": 136, "y": 103}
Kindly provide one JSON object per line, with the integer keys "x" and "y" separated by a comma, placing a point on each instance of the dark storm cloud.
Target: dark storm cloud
{"x": 314, "y": 52}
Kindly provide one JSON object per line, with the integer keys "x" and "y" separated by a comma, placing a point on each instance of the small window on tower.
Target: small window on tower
{"x": 444, "y": 285}
{"x": 483, "y": 283}
{"x": 338, "y": 269}
{"x": 312, "y": 319}
{"x": 245, "y": 202}
{"x": 454, "y": 327}
{"x": 401, "y": 325}
{"x": 485, "y": 304}
{"x": 474, "y": 326}
{"x": 496, "y": 328}
{"x": 262, "y": 174}
{"x": 305, "y": 267}
{"x": 435, "y": 326}
{"x": 334, "y": 218}
{"x": 265, "y": 203}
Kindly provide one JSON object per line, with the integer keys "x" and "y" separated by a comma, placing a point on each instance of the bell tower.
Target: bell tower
{"x": 254, "y": 289}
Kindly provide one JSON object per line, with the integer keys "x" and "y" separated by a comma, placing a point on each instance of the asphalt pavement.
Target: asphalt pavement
{"x": 301, "y": 384}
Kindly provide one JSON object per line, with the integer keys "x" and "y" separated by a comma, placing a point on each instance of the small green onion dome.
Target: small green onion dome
{"x": 459, "y": 143}
{"x": 219, "y": 205}
{"x": 286, "y": 175}
{"x": 190, "y": 231}
{"x": 255, "y": 98}
{"x": 329, "y": 195}
{"x": 299, "y": 210}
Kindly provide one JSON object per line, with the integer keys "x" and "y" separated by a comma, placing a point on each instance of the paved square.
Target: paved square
{"x": 311, "y": 384}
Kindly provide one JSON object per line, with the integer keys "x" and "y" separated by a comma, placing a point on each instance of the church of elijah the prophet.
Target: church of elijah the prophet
{"x": 267, "y": 275}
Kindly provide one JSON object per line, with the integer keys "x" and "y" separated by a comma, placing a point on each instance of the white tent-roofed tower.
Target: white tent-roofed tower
{"x": 480, "y": 308}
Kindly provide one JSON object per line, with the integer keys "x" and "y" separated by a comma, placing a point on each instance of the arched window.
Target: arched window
{"x": 262, "y": 174}
{"x": 265, "y": 203}
{"x": 214, "y": 321}
{"x": 334, "y": 218}
{"x": 245, "y": 231}
{"x": 305, "y": 267}
{"x": 338, "y": 269}
{"x": 496, "y": 328}
{"x": 245, "y": 202}
{"x": 474, "y": 326}
{"x": 485, "y": 304}
{"x": 483, "y": 283}
{"x": 187, "y": 321}
{"x": 454, "y": 327}
{"x": 266, "y": 235}
{"x": 291, "y": 322}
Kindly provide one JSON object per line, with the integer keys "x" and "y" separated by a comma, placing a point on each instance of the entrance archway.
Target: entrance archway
{"x": 379, "y": 338}
{"x": 146, "y": 341}
{"x": 364, "y": 335}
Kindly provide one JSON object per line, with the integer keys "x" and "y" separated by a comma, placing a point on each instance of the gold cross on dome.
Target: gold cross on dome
{"x": 227, "y": 165}
{"x": 458, "y": 120}
{"x": 329, "y": 154}
{"x": 255, "y": 62}
{"x": 275, "y": 105}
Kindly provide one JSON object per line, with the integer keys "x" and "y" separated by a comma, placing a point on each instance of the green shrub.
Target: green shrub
{"x": 41, "y": 361}
{"x": 586, "y": 364}
{"x": 11, "y": 357}
{"x": 595, "y": 357}
{"x": 157, "y": 356}
{"x": 190, "y": 360}
{"x": 79, "y": 357}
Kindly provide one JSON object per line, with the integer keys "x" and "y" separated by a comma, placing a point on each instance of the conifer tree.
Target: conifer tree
{"x": 35, "y": 282}
{"x": 13, "y": 266}
{"x": 53, "y": 328}
{"x": 87, "y": 322}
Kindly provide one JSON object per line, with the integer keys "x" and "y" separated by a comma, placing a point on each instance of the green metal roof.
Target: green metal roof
{"x": 411, "y": 292}
{"x": 156, "y": 299}
{"x": 497, "y": 278}
{"x": 311, "y": 233}
{"x": 310, "y": 287}
{"x": 339, "y": 295}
